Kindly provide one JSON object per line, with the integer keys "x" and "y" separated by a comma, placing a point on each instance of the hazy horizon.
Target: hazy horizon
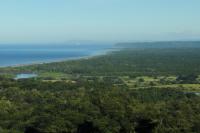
{"x": 60, "y": 21}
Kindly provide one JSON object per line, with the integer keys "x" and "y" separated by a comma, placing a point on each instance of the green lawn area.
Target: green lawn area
{"x": 54, "y": 76}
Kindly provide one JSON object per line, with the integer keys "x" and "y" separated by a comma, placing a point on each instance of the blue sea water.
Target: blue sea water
{"x": 12, "y": 55}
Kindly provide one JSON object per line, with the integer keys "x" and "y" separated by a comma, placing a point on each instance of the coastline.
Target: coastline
{"x": 101, "y": 53}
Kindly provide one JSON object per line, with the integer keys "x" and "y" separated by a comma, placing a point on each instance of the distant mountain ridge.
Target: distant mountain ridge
{"x": 160, "y": 44}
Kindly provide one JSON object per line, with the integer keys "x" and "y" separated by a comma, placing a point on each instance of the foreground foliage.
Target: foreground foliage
{"x": 60, "y": 107}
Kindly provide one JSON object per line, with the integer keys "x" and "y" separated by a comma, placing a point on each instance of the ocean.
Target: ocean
{"x": 14, "y": 55}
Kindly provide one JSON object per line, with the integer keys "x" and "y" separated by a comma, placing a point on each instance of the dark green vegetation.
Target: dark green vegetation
{"x": 161, "y": 44}
{"x": 129, "y": 91}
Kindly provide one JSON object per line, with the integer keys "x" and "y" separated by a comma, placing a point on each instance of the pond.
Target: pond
{"x": 25, "y": 76}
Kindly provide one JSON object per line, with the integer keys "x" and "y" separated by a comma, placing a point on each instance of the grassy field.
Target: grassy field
{"x": 159, "y": 82}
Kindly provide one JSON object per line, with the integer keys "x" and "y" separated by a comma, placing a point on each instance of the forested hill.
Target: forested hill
{"x": 160, "y": 44}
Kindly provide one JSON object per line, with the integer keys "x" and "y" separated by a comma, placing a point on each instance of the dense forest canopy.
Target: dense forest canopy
{"x": 33, "y": 105}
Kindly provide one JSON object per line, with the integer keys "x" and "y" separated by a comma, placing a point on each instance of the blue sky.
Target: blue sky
{"x": 50, "y": 21}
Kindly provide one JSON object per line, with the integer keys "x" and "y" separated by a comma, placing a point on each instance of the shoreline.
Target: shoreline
{"x": 106, "y": 52}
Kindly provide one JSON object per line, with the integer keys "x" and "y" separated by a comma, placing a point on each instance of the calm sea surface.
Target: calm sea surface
{"x": 11, "y": 55}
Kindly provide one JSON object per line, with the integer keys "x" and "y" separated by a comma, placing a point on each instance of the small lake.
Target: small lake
{"x": 25, "y": 76}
